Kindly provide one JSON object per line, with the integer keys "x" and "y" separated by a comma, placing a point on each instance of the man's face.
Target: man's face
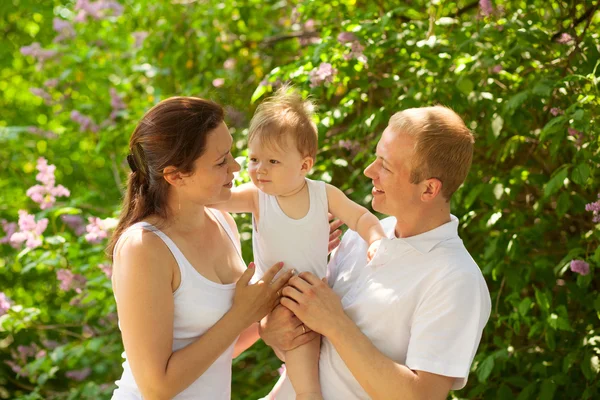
{"x": 393, "y": 194}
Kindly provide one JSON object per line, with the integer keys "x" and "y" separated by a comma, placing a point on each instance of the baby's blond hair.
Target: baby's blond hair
{"x": 283, "y": 115}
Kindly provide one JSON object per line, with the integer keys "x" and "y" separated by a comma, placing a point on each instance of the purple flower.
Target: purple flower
{"x": 63, "y": 28}
{"x": 36, "y": 51}
{"x": 96, "y": 230}
{"x": 486, "y": 7}
{"x": 580, "y": 267}
{"x": 107, "y": 269}
{"x": 79, "y": 375}
{"x": 51, "y": 83}
{"x": 85, "y": 122}
{"x": 564, "y": 38}
{"x": 4, "y": 304}
{"x": 46, "y": 193}
{"x": 218, "y": 82}
{"x": 579, "y": 136}
{"x": 595, "y": 209}
{"x": 229, "y": 63}
{"x": 40, "y": 132}
{"x": 15, "y": 368}
{"x": 30, "y": 230}
{"x": 116, "y": 102}
{"x": 69, "y": 280}
{"x": 139, "y": 37}
{"x": 97, "y": 9}
{"x": 74, "y": 222}
{"x": 556, "y": 111}
{"x": 497, "y": 69}
{"x": 43, "y": 94}
{"x": 346, "y": 37}
{"x": 9, "y": 228}
{"x": 324, "y": 73}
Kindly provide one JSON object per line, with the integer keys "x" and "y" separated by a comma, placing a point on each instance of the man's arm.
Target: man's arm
{"x": 244, "y": 199}
{"x": 311, "y": 300}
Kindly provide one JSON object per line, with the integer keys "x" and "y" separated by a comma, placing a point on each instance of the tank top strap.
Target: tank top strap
{"x": 223, "y": 222}
{"x": 318, "y": 196}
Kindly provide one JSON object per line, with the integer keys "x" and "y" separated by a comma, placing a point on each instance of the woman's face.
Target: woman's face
{"x": 211, "y": 180}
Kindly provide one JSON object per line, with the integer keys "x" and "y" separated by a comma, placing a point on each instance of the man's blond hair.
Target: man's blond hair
{"x": 284, "y": 115}
{"x": 443, "y": 145}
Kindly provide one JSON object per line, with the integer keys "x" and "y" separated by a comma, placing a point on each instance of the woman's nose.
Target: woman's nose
{"x": 369, "y": 171}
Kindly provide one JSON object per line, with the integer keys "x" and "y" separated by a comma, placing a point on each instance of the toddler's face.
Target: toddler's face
{"x": 276, "y": 170}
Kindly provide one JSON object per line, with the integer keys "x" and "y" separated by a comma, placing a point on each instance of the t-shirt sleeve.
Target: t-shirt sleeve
{"x": 447, "y": 327}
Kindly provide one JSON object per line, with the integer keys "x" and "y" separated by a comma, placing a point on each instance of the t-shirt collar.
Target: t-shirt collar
{"x": 426, "y": 241}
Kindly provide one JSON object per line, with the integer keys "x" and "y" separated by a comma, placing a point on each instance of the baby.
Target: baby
{"x": 289, "y": 211}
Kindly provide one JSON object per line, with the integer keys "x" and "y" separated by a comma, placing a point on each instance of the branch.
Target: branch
{"x": 585, "y": 16}
{"x": 292, "y": 35}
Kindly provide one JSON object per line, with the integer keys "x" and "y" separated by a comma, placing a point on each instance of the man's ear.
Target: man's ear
{"x": 172, "y": 176}
{"x": 432, "y": 188}
{"x": 307, "y": 164}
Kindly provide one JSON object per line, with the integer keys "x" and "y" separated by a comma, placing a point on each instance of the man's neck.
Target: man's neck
{"x": 421, "y": 221}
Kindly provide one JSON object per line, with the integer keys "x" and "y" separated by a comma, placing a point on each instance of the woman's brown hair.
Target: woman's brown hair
{"x": 172, "y": 133}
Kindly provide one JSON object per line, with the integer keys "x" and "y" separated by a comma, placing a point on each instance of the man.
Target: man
{"x": 407, "y": 324}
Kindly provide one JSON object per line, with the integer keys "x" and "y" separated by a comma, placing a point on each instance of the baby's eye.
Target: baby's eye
{"x": 274, "y": 161}
{"x": 252, "y": 159}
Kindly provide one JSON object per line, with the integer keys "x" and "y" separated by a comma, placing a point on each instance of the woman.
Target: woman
{"x": 184, "y": 298}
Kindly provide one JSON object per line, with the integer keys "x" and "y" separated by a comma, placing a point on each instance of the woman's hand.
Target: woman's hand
{"x": 315, "y": 303}
{"x": 253, "y": 301}
{"x": 334, "y": 232}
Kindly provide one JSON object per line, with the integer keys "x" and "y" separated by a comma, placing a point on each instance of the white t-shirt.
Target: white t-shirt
{"x": 422, "y": 301}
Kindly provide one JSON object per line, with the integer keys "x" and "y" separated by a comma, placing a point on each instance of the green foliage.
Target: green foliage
{"x": 524, "y": 78}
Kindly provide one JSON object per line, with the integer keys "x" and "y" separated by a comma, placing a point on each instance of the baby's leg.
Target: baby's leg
{"x": 302, "y": 366}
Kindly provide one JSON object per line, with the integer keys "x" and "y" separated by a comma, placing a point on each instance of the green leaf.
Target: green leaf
{"x": 485, "y": 369}
{"x": 557, "y": 180}
{"x": 547, "y": 390}
{"x": 465, "y": 86}
{"x": 515, "y": 102}
{"x": 563, "y": 204}
{"x": 550, "y": 339}
{"x": 258, "y": 92}
{"x": 580, "y": 174}
{"x": 525, "y": 306}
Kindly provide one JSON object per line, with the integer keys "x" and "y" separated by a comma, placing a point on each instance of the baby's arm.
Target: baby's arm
{"x": 244, "y": 199}
{"x": 357, "y": 217}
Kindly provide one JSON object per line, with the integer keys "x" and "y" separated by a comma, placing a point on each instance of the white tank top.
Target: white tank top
{"x": 300, "y": 243}
{"x": 199, "y": 304}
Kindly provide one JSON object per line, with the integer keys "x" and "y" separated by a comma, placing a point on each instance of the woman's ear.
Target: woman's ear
{"x": 307, "y": 164}
{"x": 172, "y": 176}
{"x": 432, "y": 188}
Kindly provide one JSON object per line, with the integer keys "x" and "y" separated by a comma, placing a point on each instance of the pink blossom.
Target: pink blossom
{"x": 46, "y": 193}
{"x": 74, "y": 222}
{"x": 85, "y": 122}
{"x": 69, "y": 280}
{"x": 324, "y": 73}
{"x": 27, "y": 351}
{"x": 139, "y": 37}
{"x": 229, "y": 63}
{"x": 346, "y": 37}
{"x": 63, "y": 28}
{"x": 51, "y": 83}
{"x": 97, "y": 9}
{"x": 4, "y": 304}
{"x": 43, "y": 94}
{"x": 40, "y": 132}
{"x": 556, "y": 111}
{"x": 36, "y": 51}
{"x": 30, "y": 230}
{"x": 218, "y": 82}
{"x": 116, "y": 102}
{"x": 594, "y": 208}
{"x": 107, "y": 269}
{"x": 50, "y": 344}
{"x": 79, "y": 375}
{"x": 497, "y": 69}
{"x": 96, "y": 230}
{"x": 486, "y": 7}
{"x": 15, "y": 368}
{"x": 564, "y": 38}
{"x": 580, "y": 267}
{"x": 9, "y": 228}
{"x": 579, "y": 136}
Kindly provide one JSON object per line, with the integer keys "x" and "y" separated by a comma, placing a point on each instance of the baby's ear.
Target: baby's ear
{"x": 307, "y": 164}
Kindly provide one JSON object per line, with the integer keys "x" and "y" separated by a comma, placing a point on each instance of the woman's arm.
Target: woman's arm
{"x": 246, "y": 339}
{"x": 142, "y": 280}
{"x": 244, "y": 199}
{"x": 357, "y": 217}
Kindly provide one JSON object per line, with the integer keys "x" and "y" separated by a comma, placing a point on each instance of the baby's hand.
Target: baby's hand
{"x": 373, "y": 249}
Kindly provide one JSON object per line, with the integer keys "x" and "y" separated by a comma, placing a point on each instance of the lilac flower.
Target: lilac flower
{"x": 97, "y": 9}
{"x": 579, "y": 136}
{"x": 580, "y": 267}
{"x": 107, "y": 269}
{"x": 74, "y": 222}
{"x": 63, "y": 28}
{"x": 79, "y": 375}
{"x": 595, "y": 209}
{"x": 40, "y": 132}
{"x": 43, "y": 94}
{"x": 50, "y": 344}
{"x": 497, "y": 69}
{"x": 486, "y": 7}
{"x": 96, "y": 229}
{"x": 15, "y": 368}
{"x": 324, "y": 73}
{"x": 27, "y": 351}
{"x": 218, "y": 82}
{"x": 69, "y": 280}
{"x": 30, "y": 230}
{"x": 346, "y": 37}
{"x": 85, "y": 122}
{"x": 46, "y": 193}
{"x": 139, "y": 37}
{"x": 9, "y": 228}
{"x": 51, "y": 83}
{"x": 4, "y": 304}
{"x": 229, "y": 63}
{"x": 36, "y": 51}
{"x": 117, "y": 104}
{"x": 564, "y": 38}
{"x": 556, "y": 111}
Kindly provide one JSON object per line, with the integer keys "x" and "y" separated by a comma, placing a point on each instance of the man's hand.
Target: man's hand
{"x": 334, "y": 232}
{"x": 283, "y": 331}
{"x": 315, "y": 303}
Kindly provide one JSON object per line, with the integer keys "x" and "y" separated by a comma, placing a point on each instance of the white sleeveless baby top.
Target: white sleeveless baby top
{"x": 300, "y": 243}
{"x": 199, "y": 304}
